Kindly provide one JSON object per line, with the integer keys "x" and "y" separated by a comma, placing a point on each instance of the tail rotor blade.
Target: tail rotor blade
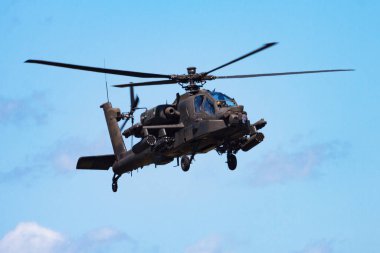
{"x": 133, "y": 121}
{"x": 135, "y": 103}
{"x": 124, "y": 124}
{"x": 132, "y": 96}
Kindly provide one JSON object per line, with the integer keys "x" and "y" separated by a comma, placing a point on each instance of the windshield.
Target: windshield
{"x": 209, "y": 107}
{"x": 224, "y": 98}
{"x": 198, "y": 103}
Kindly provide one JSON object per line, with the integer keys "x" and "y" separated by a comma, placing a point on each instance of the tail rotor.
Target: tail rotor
{"x": 134, "y": 103}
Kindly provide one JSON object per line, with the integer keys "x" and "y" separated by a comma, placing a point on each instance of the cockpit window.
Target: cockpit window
{"x": 209, "y": 107}
{"x": 226, "y": 100}
{"x": 198, "y": 103}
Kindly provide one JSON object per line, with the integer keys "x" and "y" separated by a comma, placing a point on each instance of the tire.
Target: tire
{"x": 231, "y": 161}
{"x": 114, "y": 187}
{"x": 185, "y": 163}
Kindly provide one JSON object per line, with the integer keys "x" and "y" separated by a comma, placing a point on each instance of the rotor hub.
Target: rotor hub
{"x": 191, "y": 70}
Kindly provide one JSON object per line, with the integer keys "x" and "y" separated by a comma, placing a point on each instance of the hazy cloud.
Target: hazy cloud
{"x": 20, "y": 110}
{"x": 20, "y": 172}
{"x": 100, "y": 240}
{"x": 31, "y": 237}
{"x": 60, "y": 157}
{"x": 323, "y": 246}
{"x": 65, "y": 153}
{"x": 212, "y": 244}
{"x": 104, "y": 235}
{"x": 280, "y": 166}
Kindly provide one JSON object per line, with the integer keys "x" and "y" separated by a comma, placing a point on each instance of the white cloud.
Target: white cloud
{"x": 29, "y": 237}
{"x": 211, "y": 244}
{"x": 280, "y": 166}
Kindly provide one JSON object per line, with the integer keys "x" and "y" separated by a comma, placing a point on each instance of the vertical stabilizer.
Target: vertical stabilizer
{"x": 112, "y": 116}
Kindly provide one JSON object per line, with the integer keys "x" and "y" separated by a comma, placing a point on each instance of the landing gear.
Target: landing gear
{"x": 114, "y": 186}
{"x": 114, "y": 182}
{"x": 185, "y": 163}
{"x": 231, "y": 161}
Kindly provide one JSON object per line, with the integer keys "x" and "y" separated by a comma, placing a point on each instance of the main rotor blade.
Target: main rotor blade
{"x": 268, "y": 45}
{"x": 100, "y": 70}
{"x": 145, "y": 83}
{"x": 284, "y": 73}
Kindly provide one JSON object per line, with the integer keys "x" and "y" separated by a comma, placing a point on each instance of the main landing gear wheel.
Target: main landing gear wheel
{"x": 231, "y": 161}
{"x": 185, "y": 163}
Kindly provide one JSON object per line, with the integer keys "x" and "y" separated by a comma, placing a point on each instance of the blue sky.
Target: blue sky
{"x": 311, "y": 186}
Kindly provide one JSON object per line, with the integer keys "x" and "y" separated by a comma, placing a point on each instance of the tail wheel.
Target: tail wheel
{"x": 114, "y": 182}
{"x": 231, "y": 161}
{"x": 114, "y": 187}
{"x": 185, "y": 163}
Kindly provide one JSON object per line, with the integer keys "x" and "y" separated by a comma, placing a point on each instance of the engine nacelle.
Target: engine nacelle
{"x": 160, "y": 115}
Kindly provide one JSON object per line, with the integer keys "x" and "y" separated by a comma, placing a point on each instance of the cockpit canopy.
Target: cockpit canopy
{"x": 208, "y": 101}
{"x": 222, "y": 99}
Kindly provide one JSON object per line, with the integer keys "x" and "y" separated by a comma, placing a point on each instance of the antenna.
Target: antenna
{"x": 105, "y": 79}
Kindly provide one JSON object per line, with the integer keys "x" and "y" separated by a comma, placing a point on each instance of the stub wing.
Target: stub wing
{"x": 101, "y": 162}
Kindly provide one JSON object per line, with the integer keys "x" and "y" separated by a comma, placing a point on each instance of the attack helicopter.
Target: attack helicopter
{"x": 198, "y": 121}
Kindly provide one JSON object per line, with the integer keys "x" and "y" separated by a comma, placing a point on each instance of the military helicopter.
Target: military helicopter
{"x": 198, "y": 121}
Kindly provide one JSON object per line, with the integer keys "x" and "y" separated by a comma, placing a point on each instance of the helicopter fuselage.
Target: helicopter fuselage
{"x": 195, "y": 123}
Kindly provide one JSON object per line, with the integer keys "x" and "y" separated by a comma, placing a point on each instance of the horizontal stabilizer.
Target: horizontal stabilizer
{"x": 100, "y": 162}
